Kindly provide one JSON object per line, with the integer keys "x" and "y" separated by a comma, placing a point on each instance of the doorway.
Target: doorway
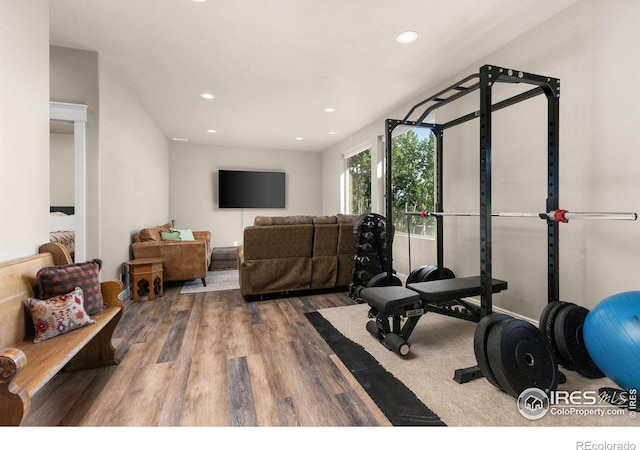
{"x": 73, "y": 118}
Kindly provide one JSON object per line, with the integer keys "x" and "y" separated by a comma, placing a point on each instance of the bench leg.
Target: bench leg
{"x": 99, "y": 352}
{"x": 390, "y": 331}
{"x": 14, "y": 401}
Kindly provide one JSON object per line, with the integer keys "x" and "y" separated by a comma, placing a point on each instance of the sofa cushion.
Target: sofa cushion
{"x": 282, "y": 220}
{"x": 324, "y": 219}
{"x": 325, "y": 240}
{"x": 286, "y": 241}
{"x": 153, "y": 233}
{"x": 346, "y": 218}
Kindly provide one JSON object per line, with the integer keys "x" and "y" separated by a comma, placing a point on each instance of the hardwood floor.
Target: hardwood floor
{"x": 213, "y": 359}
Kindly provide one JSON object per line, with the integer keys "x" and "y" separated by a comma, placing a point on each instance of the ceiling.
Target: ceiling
{"x": 275, "y": 65}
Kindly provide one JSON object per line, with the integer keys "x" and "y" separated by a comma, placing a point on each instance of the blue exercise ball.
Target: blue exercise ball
{"x": 611, "y": 334}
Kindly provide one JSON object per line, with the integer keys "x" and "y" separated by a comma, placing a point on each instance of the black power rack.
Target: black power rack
{"x": 483, "y": 81}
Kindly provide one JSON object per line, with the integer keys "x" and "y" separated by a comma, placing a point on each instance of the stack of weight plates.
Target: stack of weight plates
{"x": 561, "y": 324}
{"x": 514, "y": 355}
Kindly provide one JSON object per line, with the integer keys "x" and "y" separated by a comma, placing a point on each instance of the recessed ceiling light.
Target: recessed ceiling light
{"x": 407, "y": 37}
{"x": 211, "y": 131}
{"x": 199, "y": 1}
{"x": 329, "y": 110}
{"x": 180, "y": 139}
{"x": 332, "y": 132}
{"x": 207, "y": 96}
{"x": 299, "y": 138}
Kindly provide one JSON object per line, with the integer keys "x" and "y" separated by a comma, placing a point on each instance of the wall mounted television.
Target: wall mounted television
{"x": 251, "y": 189}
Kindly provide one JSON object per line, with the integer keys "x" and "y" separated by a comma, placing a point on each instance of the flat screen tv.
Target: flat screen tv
{"x": 250, "y": 189}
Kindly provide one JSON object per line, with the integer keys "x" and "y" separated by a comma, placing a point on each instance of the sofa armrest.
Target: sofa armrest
{"x": 183, "y": 260}
{"x": 202, "y": 235}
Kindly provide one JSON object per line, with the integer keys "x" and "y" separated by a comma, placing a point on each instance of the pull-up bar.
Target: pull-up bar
{"x": 559, "y": 215}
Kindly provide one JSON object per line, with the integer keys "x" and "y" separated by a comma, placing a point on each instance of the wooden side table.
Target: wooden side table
{"x": 146, "y": 277}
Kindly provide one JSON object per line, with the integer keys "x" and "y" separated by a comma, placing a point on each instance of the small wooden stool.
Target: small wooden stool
{"x": 146, "y": 276}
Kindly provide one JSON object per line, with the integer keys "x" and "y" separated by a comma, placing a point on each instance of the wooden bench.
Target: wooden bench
{"x": 26, "y": 367}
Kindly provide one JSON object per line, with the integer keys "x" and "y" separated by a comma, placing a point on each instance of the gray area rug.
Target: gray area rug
{"x": 217, "y": 280}
{"x": 442, "y": 344}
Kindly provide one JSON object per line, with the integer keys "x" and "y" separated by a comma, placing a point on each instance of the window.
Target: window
{"x": 358, "y": 182}
{"x": 413, "y": 181}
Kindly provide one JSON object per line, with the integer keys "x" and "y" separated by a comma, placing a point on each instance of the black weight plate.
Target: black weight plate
{"x": 432, "y": 275}
{"x": 480, "y": 344}
{"x": 544, "y": 316}
{"x": 568, "y": 335}
{"x": 547, "y": 328}
{"x": 520, "y": 357}
{"x": 415, "y": 275}
{"x": 382, "y": 280}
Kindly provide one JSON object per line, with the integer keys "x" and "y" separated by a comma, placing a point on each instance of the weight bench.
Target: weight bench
{"x": 391, "y": 304}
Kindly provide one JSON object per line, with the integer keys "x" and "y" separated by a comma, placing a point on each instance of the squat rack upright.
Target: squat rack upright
{"x": 484, "y": 80}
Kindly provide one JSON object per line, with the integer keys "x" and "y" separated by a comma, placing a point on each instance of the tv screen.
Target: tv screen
{"x": 248, "y": 189}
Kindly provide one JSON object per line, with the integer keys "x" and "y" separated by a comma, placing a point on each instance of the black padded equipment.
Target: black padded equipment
{"x": 520, "y": 357}
{"x": 567, "y": 329}
{"x": 439, "y": 291}
{"x": 390, "y": 300}
{"x": 480, "y": 338}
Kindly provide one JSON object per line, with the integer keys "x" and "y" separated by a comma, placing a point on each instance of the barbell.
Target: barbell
{"x": 559, "y": 215}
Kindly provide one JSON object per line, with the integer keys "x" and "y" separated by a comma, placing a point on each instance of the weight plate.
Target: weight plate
{"x": 381, "y": 280}
{"x": 432, "y": 275}
{"x": 568, "y": 336}
{"x": 480, "y": 344}
{"x": 520, "y": 357}
{"x": 415, "y": 275}
{"x": 547, "y": 320}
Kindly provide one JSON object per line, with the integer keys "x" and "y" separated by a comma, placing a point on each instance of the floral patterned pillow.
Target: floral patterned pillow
{"x": 58, "y": 315}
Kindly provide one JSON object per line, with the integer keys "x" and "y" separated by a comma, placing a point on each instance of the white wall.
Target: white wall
{"x": 193, "y": 194}
{"x": 24, "y": 127}
{"x": 133, "y": 171}
{"x": 591, "y": 47}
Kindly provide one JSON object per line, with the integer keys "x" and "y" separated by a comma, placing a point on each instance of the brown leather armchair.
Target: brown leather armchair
{"x": 183, "y": 260}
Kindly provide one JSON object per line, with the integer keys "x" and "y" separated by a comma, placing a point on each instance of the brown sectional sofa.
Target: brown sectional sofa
{"x": 295, "y": 253}
{"x": 183, "y": 260}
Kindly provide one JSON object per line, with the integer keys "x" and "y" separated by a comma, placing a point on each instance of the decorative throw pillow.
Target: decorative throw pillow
{"x": 59, "y": 280}
{"x": 58, "y": 315}
{"x": 173, "y": 235}
{"x": 185, "y": 234}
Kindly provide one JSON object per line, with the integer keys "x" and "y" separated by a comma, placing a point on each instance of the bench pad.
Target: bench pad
{"x": 387, "y": 299}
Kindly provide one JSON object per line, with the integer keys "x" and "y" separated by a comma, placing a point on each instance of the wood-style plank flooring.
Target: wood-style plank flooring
{"x": 213, "y": 359}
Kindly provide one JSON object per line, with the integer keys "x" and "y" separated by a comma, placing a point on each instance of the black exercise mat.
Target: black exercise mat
{"x": 398, "y": 404}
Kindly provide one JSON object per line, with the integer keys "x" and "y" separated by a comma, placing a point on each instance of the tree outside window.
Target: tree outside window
{"x": 413, "y": 180}
{"x": 359, "y": 183}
